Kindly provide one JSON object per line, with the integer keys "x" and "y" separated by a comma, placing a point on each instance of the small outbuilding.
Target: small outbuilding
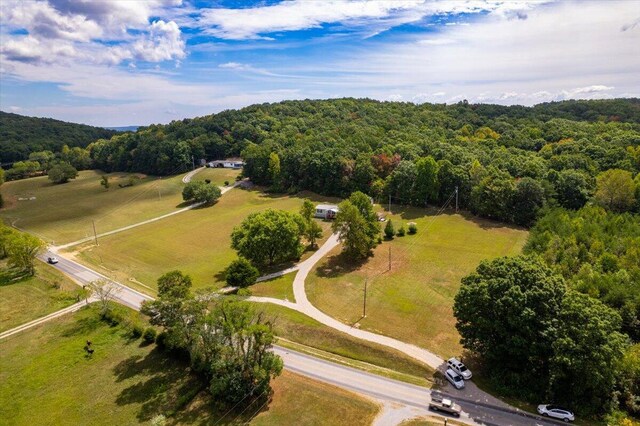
{"x": 326, "y": 211}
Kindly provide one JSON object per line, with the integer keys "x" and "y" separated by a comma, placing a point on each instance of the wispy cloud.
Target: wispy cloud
{"x": 374, "y": 16}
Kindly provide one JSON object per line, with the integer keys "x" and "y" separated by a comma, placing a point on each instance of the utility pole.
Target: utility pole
{"x": 364, "y": 305}
{"x": 456, "y": 199}
{"x": 95, "y": 235}
{"x": 193, "y": 163}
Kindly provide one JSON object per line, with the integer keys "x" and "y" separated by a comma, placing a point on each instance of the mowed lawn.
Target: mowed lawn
{"x": 297, "y": 327}
{"x": 413, "y": 302}
{"x": 47, "y": 379}
{"x": 64, "y": 213}
{"x": 298, "y": 400}
{"x": 218, "y": 176}
{"x": 197, "y": 242}
{"x": 27, "y": 298}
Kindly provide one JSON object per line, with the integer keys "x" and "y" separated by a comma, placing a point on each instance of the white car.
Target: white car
{"x": 556, "y": 412}
{"x": 456, "y": 365}
{"x": 52, "y": 260}
{"x": 454, "y": 378}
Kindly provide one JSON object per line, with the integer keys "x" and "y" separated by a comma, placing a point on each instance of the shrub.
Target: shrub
{"x": 149, "y": 335}
{"x": 389, "y": 231}
{"x": 401, "y": 232}
{"x": 226, "y": 183}
{"x": 136, "y": 331}
{"x": 159, "y": 420}
{"x": 241, "y": 273}
{"x": 413, "y": 228}
{"x": 161, "y": 340}
{"x": 112, "y": 317}
{"x": 207, "y": 181}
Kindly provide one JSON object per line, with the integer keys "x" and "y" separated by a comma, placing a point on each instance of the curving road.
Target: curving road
{"x": 478, "y": 405}
{"x": 380, "y": 388}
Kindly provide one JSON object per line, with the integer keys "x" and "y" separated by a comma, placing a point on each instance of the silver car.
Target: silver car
{"x": 456, "y": 365}
{"x": 556, "y": 412}
{"x": 454, "y": 378}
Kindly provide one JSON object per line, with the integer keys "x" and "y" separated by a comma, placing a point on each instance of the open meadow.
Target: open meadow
{"x": 217, "y": 176}
{"x": 28, "y": 298}
{"x": 63, "y": 213}
{"x": 197, "y": 242}
{"x": 418, "y": 291}
{"x": 46, "y": 378}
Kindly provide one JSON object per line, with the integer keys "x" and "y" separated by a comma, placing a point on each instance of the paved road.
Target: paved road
{"x": 83, "y": 275}
{"x": 385, "y": 389}
{"x": 378, "y": 387}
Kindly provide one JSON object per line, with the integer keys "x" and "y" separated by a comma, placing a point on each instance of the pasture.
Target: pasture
{"x": 46, "y": 378}
{"x": 64, "y": 213}
{"x": 197, "y": 242}
{"x": 27, "y": 298}
{"x": 418, "y": 291}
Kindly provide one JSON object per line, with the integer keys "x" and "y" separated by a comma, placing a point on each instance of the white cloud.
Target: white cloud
{"x": 89, "y": 32}
{"x": 250, "y": 23}
{"x": 233, "y": 66}
{"x": 163, "y": 42}
{"x": 568, "y": 50}
{"x": 375, "y": 16}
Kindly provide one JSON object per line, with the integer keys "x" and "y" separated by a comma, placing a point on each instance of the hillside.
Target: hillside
{"x": 21, "y": 135}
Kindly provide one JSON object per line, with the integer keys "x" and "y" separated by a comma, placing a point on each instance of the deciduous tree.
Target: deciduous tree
{"x": 62, "y": 173}
{"x": 22, "y": 250}
{"x": 269, "y": 237}
{"x": 615, "y": 190}
{"x": 507, "y": 312}
{"x": 241, "y": 273}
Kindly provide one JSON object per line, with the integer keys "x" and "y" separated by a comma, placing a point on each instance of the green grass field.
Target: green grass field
{"x": 197, "y": 242}
{"x": 297, "y": 327}
{"x": 418, "y": 292}
{"x": 47, "y": 379}
{"x": 28, "y": 298}
{"x": 64, "y": 213}
{"x": 301, "y": 401}
{"x": 279, "y": 288}
{"x": 218, "y": 176}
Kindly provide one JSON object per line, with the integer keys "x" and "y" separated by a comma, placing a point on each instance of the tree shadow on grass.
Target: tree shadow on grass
{"x": 12, "y": 276}
{"x": 84, "y": 325}
{"x": 161, "y": 384}
{"x": 488, "y": 224}
{"x": 204, "y": 411}
{"x": 338, "y": 265}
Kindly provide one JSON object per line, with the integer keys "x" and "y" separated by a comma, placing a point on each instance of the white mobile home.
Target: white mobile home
{"x": 228, "y": 164}
{"x": 326, "y": 211}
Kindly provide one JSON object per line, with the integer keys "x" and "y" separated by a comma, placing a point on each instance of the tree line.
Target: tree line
{"x": 506, "y": 162}
{"x": 20, "y": 136}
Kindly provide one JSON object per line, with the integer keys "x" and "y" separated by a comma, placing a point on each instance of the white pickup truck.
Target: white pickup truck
{"x": 445, "y": 405}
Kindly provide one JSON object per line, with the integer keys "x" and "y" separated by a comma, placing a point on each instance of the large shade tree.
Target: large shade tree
{"x": 507, "y": 312}
{"x": 269, "y": 237}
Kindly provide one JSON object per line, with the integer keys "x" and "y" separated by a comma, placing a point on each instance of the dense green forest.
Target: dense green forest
{"x": 20, "y": 135}
{"x": 507, "y": 162}
{"x": 598, "y": 253}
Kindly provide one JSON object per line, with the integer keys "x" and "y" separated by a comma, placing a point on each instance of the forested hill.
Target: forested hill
{"x": 20, "y": 135}
{"x": 506, "y": 161}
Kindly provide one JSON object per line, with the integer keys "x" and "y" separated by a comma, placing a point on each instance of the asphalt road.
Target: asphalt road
{"x": 378, "y": 387}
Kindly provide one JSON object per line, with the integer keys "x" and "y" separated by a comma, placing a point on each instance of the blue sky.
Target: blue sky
{"x": 116, "y": 63}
